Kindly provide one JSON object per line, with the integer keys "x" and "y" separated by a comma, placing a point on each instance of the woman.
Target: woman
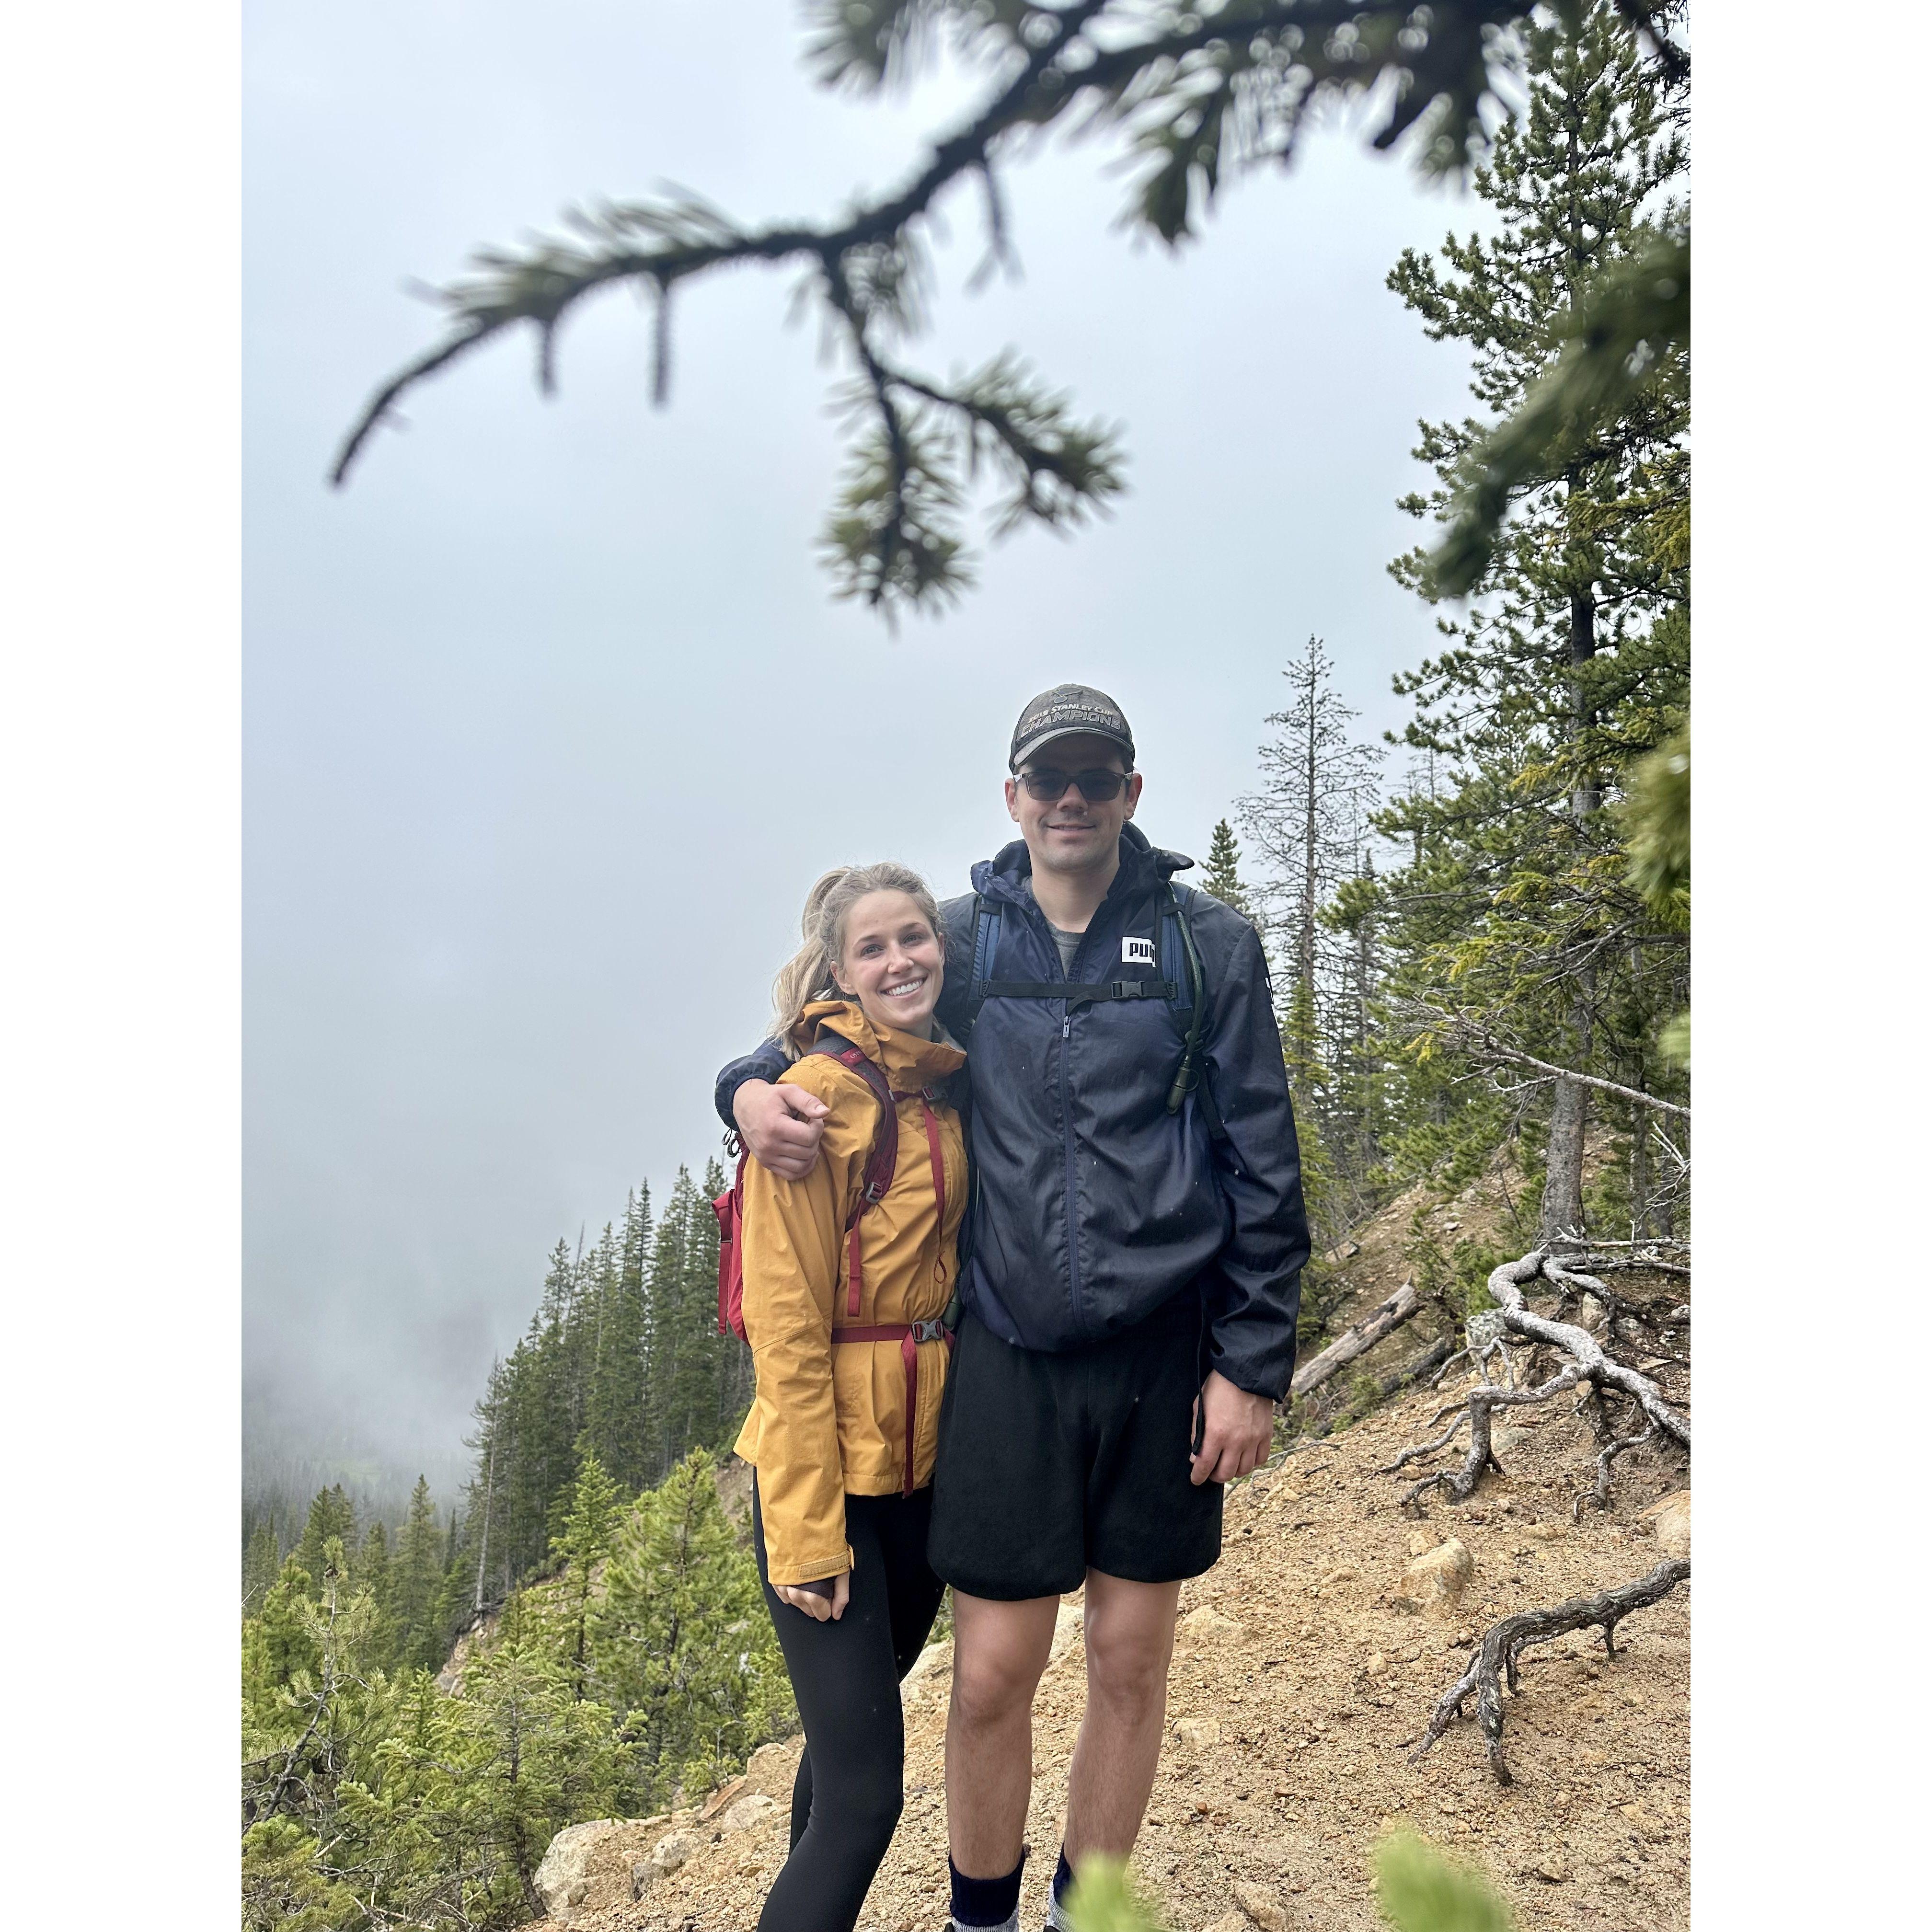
{"x": 846, "y": 1276}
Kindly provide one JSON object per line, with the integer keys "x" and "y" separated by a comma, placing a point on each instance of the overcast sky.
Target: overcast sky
{"x": 551, "y": 718}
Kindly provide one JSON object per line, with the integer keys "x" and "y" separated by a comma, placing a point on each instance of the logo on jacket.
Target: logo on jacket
{"x": 1137, "y": 953}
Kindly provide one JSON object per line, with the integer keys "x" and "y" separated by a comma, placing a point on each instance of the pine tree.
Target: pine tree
{"x": 418, "y": 1570}
{"x": 1310, "y": 819}
{"x": 1309, "y": 822}
{"x": 260, "y": 1565}
{"x": 617, "y": 1421}
{"x": 589, "y": 1533}
{"x": 541, "y": 1759}
{"x": 278, "y": 1646}
{"x": 681, "y": 1642}
{"x": 1223, "y": 877}
{"x": 370, "y": 1574}
{"x": 331, "y": 1514}
{"x": 1573, "y": 660}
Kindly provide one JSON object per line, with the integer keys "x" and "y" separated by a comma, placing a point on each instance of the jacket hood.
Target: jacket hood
{"x": 908, "y": 1061}
{"x": 1143, "y": 865}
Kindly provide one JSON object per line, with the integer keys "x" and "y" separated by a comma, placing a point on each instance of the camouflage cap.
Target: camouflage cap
{"x": 1064, "y": 711}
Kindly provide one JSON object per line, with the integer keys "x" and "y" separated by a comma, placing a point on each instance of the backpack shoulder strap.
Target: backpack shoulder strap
{"x": 883, "y": 1161}
{"x": 1191, "y": 1076}
{"x": 986, "y": 944}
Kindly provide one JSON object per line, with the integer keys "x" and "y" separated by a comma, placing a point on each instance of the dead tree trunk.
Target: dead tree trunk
{"x": 1356, "y": 1341}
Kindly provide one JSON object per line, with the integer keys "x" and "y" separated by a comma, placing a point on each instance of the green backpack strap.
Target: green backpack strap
{"x": 1189, "y": 1077}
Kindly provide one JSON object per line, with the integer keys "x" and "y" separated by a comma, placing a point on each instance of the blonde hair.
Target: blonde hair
{"x": 808, "y": 975}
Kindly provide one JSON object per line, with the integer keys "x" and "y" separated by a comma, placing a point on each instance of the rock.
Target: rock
{"x": 1434, "y": 1583}
{"x": 773, "y": 1767}
{"x": 747, "y": 1812}
{"x": 1378, "y": 1664}
{"x": 1205, "y": 1625}
{"x": 1343, "y": 1572}
{"x": 1669, "y": 1520}
{"x": 1546, "y": 1532}
{"x": 1231, "y": 1921}
{"x": 1262, "y": 1907}
{"x": 563, "y": 1871}
{"x": 674, "y": 1850}
{"x": 644, "y": 1875}
{"x": 1198, "y": 1734}
{"x": 933, "y": 1667}
{"x": 1419, "y": 1544}
{"x": 1551, "y": 1866}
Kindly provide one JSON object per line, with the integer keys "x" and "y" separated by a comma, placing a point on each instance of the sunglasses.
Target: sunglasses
{"x": 1097, "y": 787}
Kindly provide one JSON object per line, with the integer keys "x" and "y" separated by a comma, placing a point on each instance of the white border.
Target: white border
{"x": 119, "y": 978}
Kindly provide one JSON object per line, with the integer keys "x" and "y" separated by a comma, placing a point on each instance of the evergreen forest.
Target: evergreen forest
{"x": 618, "y": 1648}
{"x": 1479, "y": 935}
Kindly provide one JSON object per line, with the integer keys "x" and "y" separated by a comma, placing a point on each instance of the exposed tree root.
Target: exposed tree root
{"x": 1503, "y": 1643}
{"x": 1586, "y": 1365}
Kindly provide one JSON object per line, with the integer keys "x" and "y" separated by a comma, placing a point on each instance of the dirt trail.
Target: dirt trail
{"x": 1296, "y": 1685}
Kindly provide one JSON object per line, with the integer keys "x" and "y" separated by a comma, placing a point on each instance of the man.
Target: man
{"x": 1130, "y": 1282}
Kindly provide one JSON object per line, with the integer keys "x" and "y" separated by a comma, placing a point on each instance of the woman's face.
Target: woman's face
{"x": 892, "y": 962}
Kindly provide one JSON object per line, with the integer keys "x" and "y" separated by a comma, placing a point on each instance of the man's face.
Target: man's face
{"x": 1069, "y": 832}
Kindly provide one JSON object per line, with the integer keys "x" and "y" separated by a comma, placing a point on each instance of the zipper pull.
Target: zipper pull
{"x": 1066, "y": 1027}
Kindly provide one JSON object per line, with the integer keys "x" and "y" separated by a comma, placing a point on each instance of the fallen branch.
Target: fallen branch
{"x": 1356, "y": 1341}
{"x": 1503, "y": 1644}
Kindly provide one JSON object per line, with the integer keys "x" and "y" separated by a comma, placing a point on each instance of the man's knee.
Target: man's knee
{"x": 1129, "y": 1646}
{"x": 997, "y": 1665}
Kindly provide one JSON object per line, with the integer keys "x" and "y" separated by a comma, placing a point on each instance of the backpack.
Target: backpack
{"x": 1176, "y": 948}
{"x": 729, "y": 1207}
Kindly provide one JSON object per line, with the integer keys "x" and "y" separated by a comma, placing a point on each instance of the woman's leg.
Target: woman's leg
{"x": 845, "y": 1678}
{"x": 912, "y": 1591}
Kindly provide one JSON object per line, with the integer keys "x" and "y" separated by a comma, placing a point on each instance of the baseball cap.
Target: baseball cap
{"x": 1067, "y": 711}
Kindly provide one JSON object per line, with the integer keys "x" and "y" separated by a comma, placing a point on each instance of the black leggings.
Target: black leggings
{"x": 851, "y": 1779}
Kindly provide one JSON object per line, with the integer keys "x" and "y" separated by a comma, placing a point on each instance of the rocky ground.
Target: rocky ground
{"x": 1301, "y": 1679}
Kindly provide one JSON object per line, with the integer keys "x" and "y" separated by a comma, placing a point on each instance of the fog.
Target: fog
{"x": 551, "y": 718}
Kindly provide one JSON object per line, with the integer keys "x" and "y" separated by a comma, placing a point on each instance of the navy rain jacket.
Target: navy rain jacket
{"x": 1093, "y": 1205}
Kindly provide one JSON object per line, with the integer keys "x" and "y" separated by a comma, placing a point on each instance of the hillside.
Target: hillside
{"x": 1297, "y": 1684}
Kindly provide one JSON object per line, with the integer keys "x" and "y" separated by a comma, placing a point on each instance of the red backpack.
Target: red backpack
{"x": 880, "y": 1165}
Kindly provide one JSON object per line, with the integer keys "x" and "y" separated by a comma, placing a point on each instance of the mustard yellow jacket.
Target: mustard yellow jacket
{"x": 829, "y": 1419}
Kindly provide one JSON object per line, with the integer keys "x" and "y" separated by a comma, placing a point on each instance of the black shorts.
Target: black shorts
{"x": 1051, "y": 1464}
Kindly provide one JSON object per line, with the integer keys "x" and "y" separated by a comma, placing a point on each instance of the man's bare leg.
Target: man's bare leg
{"x": 1129, "y": 1633}
{"x": 999, "y": 1653}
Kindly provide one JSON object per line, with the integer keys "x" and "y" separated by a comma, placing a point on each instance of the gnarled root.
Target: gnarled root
{"x": 1503, "y": 1643}
{"x": 1586, "y": 1365}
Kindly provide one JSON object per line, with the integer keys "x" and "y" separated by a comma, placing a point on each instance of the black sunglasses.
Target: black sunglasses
{"x": 1097, "y": 787}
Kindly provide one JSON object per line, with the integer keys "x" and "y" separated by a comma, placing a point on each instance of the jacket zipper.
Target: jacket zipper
{"x": 1066, "y": 1129}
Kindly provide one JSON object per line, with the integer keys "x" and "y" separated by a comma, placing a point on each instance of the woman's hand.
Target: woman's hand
{"x": 815, "y": 1606}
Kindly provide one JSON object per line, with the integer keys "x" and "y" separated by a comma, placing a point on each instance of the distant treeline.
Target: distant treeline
{"x": 622, "y": 1358}
{"x": 641, "y": 1663}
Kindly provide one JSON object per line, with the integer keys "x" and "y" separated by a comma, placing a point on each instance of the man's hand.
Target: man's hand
{"x": 1237, "y": 1434}
{"x": 781, "y": 1125}
{"x": 819, "y": 1608}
